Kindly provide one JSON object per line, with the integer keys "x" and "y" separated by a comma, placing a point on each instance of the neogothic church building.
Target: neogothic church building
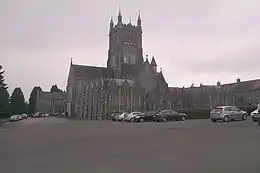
{"x": 128, "y": 83}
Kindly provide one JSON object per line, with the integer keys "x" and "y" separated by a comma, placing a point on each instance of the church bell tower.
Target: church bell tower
{"x": 125, "y": 44}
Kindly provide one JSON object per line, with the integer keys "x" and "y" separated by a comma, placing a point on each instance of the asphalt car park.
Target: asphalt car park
{"x": 59, "y": 145}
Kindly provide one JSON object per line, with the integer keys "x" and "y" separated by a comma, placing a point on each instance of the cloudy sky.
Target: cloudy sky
{"x": 194, "y": 41}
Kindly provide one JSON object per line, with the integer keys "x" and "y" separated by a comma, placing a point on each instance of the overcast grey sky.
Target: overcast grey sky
{"x": 194, "y": 41}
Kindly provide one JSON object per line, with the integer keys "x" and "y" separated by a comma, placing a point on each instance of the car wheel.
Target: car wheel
{"x": 183, "y": 118}
{"x": 132, "y": 119}
{"x": 244, "y": 117}
{"x": 226, "y": 118}
{"x": 141, "y": 120}
{"x": 164, "y": 119}
{"x": 213, "y": 120}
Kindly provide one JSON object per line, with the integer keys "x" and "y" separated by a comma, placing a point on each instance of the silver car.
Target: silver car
{"x": 227, "y": 113}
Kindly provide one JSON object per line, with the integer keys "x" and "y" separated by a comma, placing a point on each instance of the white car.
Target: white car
{"x": 255, "y": 112}
{"x": 46, "y": 114}
{"x": 131, "y": 116}
{"x": 24, "y": 116}
{"x": 15, "y": 118}
{"x": 255, "y": 116}
{"x": 37, "y": 114}
{"x": 121, "y": 116}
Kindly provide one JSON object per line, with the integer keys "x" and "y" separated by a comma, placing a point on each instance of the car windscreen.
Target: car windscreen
{"x": 162, "y": 112}
{"x": 217, "y": 110}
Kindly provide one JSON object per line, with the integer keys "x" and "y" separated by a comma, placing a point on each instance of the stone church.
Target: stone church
{"x": 128, "y": 83}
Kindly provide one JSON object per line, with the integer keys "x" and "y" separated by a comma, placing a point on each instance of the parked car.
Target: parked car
{"x": 55, "y": 114}
{"x": 24, "y": 116}
{"x": 145, "y": 116}
{"x": 15, "y": 118}
{"x": 46, "y": 114}
{"x": 169, "y": 115}
{"x": 130, "y": 117}
{"x": 227, "y": 113}
{"x": 38, "y": 114}
{"x": 255, "y": 115}
{"x": 121, "y": 116}
{"x": 113, "y": 115}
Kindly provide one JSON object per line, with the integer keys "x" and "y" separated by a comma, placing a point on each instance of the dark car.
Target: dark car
{"x": 170, "y": 115}
{"x": 255, "y": 115}
{"x": 145, "y": 116}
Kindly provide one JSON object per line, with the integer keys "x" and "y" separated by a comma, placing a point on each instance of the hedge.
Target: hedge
{"x": 204, "y": 113}
{"x": 196, "y": 113}
{"x": 248, "y": 108}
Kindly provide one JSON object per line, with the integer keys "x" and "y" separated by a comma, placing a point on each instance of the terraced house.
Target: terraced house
{"x": 239, "y": 93}
{"x": 128, "y": 83}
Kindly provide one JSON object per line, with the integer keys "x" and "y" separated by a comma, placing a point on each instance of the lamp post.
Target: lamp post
{"x": 92, "y": 105}
{"x": 119, "y": 99}
{"x": 144, "y": 102}
{"x": 83, "y": 102}
{"x": 210, "y": 101}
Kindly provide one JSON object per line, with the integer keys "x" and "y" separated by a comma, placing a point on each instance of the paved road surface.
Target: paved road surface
{"x": 55, "y": 145}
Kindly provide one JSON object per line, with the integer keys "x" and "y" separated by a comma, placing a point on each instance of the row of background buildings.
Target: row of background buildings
{"x": 132, "y": 83}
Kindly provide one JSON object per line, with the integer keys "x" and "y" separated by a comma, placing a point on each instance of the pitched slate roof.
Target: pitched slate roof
{"x": 238, "y": 87}
{"x": 90, "y": 72}
{"x": 160, "y": 77}
{"x": 245, "y": 86}
{"x": 120, "y": 82}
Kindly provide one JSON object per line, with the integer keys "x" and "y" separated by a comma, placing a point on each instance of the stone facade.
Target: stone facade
{"x": 128, "y": 83}
{"x": 51, "y": 102}
{"x": 240, "y": 93}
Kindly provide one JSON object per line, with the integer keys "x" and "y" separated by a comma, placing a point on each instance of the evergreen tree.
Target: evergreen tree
{"x": 32, "y": 99}
{"x": 4, "y": 96}
{"x": 55, "y": 88}
{"x": 2, "y": 80}
{"x": 17, "y": 101}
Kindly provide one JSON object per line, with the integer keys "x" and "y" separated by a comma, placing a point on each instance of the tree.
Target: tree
{"x": 32, "y": 99}
{"x": 4, "y": 96}
{"x": 2, "y": 80}
{"x": 17, "y": 101}
{"x": 55, "y": 88}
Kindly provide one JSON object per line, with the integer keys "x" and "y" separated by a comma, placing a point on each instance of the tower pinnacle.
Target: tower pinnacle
{"x": 111, "y": 22}
{"x": 119, "y": 15}
{"x": 139, "y": 22}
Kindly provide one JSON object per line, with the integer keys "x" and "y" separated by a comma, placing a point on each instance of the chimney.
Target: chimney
{"x": 238, "y": 80}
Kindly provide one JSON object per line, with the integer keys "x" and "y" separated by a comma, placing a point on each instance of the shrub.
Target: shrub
{"x": 248, "y": 108}
{"x": 196, "y": 113}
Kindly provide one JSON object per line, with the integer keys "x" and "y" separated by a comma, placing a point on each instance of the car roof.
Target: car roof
{"x": 221, "y": 107}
